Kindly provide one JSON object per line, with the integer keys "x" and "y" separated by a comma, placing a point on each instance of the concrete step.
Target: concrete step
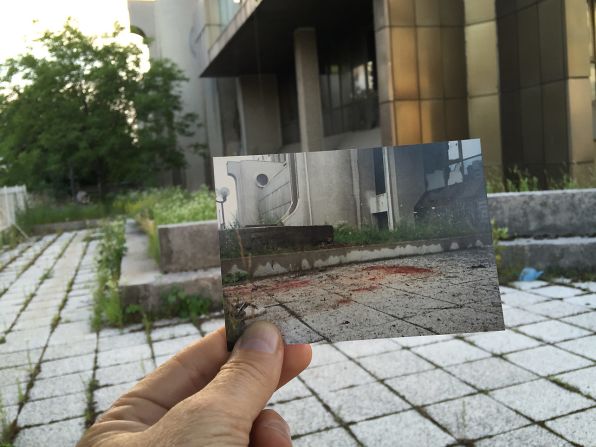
{"x": 143, "y": 283}
{"x": 573, "y": 253}
{"x": 562, "y": 213}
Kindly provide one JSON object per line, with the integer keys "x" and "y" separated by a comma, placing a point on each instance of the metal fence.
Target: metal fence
{"x": 12, "y": 199}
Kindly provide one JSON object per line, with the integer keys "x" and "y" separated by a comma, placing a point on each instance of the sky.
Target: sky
{"x": 92, "y": 17}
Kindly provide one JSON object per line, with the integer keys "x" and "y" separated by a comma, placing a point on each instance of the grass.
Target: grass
{"x": 521, "y": 180}
{"x": 46, "y": 212}
{"x": 346, "y": 235}
{"x": 108, "y": 309}
{"x": 112, "y": 246}
{"x": 166, "y": 206}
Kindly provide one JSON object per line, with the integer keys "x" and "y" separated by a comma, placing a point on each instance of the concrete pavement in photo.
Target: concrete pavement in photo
{"x": 447, "y": 292}
{"x": 533, "y": 384}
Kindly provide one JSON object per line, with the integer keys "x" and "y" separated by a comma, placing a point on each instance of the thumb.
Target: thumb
{"x": 247, "y": 380}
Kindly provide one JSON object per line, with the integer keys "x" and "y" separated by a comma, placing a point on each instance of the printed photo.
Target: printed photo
{"x": 358, "y": 244}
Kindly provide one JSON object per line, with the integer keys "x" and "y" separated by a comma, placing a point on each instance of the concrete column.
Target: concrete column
{"x": 421, "y": 70}
{"x": 260, "y": 121}
{"x": 582, "y": 152}
{"x": 483, "y": 86}
{"x": 310, "y": 113}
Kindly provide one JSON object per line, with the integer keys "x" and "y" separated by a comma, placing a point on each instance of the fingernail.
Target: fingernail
{"x": 260, "y": 336}
{"x": 279, "y": 425}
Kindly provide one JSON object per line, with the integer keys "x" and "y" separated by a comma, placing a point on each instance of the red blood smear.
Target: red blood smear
{"x": 284, "y": 286}
{"x": 398, "y": 269}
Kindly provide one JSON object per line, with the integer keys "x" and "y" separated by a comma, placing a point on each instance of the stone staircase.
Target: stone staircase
{"x": 549, "y": 229}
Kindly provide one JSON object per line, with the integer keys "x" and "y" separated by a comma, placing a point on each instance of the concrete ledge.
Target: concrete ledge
{"x": 142, "y": 282}
{"x": 574, "y": 253}
{"x": 545, "y": 213}
{"x": 61, "y": 227}
{"x": 188, "y": 246}
{"x": 278, "y": 263}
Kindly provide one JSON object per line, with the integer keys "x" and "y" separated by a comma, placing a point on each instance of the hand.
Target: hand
{"x": 203, "y": 396}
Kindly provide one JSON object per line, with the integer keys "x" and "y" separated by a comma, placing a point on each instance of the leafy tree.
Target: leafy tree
{"x": 84, "y": 113}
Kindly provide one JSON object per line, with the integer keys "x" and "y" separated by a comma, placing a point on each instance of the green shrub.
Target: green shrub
{"x": 46, "y": 211}
{"x": 164, "y": 206}
{"x": 112, "y": 247}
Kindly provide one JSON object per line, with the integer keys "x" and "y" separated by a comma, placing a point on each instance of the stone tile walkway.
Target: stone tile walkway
{"x": 533, "y": 384}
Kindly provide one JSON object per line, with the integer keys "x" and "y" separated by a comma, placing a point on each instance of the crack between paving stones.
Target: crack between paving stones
{"x": 40, "y": 282}
{"x": 37, "y": 368}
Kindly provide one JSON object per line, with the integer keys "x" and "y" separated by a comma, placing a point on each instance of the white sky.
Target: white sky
{"x": 92, "y": 17}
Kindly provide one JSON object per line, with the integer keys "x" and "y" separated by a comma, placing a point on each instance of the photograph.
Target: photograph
{"x": 358, "y": 243}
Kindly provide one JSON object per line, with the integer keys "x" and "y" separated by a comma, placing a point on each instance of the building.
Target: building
{"x": 385, "y": 187}
{"x": 278, "y": 76}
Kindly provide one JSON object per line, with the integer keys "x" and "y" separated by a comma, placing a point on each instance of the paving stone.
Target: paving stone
{"x": 53, "y": 409}
{"x": 11, "y": 394}
{"x": 305, "y": 415}
{"x": 514, "y": 317}
{"x": 579, "y": 428}
{"x": 547, "y": 360}
{"x": 67, "y": 365}
{"x": 475, "y": 416}
{"x": 294, "y": 389}
{"x": 527, "y": 285}
{"x": 363, "y": 402}
{"x": 583, "y": 379}
{"x": 491, "y": 373}
{"x": 588, "y": 301}
{"x": 541, "y": 399}
{"x": 212, "y": 325}
{"x": 172, "y": 346}
{"x": 411, "y": 342}
{"x": 450, "y": 352}
{"x": 12, "y": 376}
{"x": 587, "y": 320}
{"x": 106, "y": 396}
{"x": 429, "y": 387}
{"x": 132, "y": 339}
{"x": 557, "y": 291}
{"x": 393, "y": 364}
{"x": 585, "y": 346}
{"x": 124, "y": 355}
{"x": 532, "y": 436}
{"x": 361, "y": 348}
{"x": 336, "y": 437}
{"x": 517, "y": 298}
{"x": 111, "y": 331}
{"x": 59, "y": 351}
{"x": 60, "y": 433}
{"x": 335, "y": 376}
{"x": 60, "y": 385}
{"x": 27, "y": 339}
{"x": 411, "y": 429}
{"x": 553, "y": 331}
{"x": 588, "y": 285}
{"x": 502, "y": 342}
{"x": 20, "y": 358}
{"x": 124, "y": 372}
{"x": 179, "y": 330}
{"x": 324, "y": 354}
{"x": 556, "y": 309}
{"x": 71, "y": 332}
